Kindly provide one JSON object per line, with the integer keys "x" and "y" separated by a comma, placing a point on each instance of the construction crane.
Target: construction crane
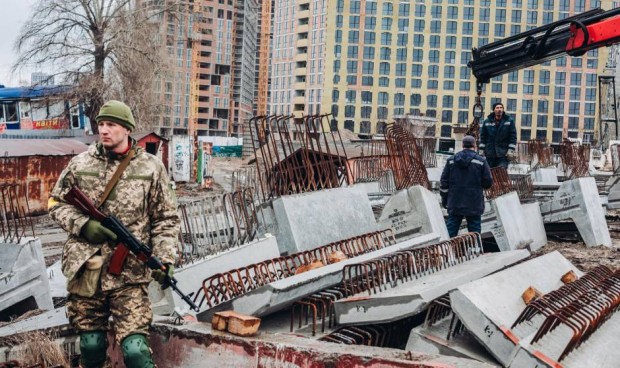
{"x": 573, "y": 36}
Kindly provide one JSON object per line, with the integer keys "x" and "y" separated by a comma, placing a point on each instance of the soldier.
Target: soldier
{"x": 142, "y": 200}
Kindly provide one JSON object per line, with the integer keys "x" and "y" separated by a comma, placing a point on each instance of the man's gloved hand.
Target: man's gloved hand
{"x": 160, "y": 276}
{"x": 481, "y": 153}
{"x": 96, "y": 233}
{"x": 511, "y": 155}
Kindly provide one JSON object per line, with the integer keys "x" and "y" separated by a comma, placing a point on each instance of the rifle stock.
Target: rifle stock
{"x": 77, "y": 198}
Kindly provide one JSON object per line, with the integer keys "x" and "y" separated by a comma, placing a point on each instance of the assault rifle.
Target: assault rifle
{"x": 126, "y": 240}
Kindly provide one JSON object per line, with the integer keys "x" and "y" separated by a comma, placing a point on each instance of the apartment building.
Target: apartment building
{"x": 209, "y": 89}
{"x": 366, "y": 61}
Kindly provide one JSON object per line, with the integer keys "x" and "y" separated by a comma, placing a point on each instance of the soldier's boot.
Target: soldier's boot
{"x": 136, "y": 352}
{"x": 93, "y": 347}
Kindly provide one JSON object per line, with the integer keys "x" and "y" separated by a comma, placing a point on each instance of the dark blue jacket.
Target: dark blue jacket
{"x": 462, "y": 181}
{"x": 497, "y": 139}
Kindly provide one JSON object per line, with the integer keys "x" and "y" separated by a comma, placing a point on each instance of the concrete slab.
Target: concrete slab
{"x": 489, "y": 306}
{"x": 578, "y": 200}
{"x": 190, "y": 276}
{"x": 613, "y": 191}
{"x": 432, "y": 340}
{"x": 23, "y": 279}
{"x": 507, "y": 223}
{"x": 282, "y": 293}
{"x": 600, "y": 350}
{"x": 545, "y": 175}
{"x": 57, "y": 281}
{"x": 410, "y": 298}
{"x": 534, "y": 225}
{"x": 412, "y": 212}
{"x": 309, "y": 220}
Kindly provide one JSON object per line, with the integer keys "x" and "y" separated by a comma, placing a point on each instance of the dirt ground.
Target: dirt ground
{"x": 583, "y": 257}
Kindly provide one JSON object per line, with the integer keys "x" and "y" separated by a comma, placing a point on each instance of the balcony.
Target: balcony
{"x": 300, "y": 70}
{"x": 301, "y": 86}
{"x": 303, "y": 28}
{"x": 302, "y": 42}
{"x": 301, "y": 57}
{"x": 301, "y": 14}
{"x": 299, "y": 100}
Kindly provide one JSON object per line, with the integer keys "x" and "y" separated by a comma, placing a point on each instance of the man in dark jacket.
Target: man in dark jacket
{"x": 462, "y": 181}
{"x": 498, "y": 137}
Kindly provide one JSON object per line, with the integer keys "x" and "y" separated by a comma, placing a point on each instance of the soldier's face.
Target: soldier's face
{"x": 113, "y": 136}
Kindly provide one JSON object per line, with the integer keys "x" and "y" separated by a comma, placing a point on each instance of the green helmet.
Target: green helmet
{"x": 117, "y": 112}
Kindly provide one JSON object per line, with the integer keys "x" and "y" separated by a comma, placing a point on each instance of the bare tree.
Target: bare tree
{"x": 104, "y": 48}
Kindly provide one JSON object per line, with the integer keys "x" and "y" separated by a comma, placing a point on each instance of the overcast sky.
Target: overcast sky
{"x": 13, "y": 15}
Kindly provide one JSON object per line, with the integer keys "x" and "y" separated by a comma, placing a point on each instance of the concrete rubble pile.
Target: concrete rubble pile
{"x": 363, "y": 257}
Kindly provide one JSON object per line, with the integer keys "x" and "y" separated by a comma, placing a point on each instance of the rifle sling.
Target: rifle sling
{"x": 117, "y": 175}
{"x": 117, "y": 260}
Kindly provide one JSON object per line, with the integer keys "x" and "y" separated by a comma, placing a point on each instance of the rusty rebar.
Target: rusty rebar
{"x": 225, "y": 286}
{"x": 14, "y": 220}
{"x": 407, "y": 163}
{"x": 585, "y": 314}
{"x": 575, "y": 159}
{"x": 501, "y": 183}
{"x": 376, "y": 275}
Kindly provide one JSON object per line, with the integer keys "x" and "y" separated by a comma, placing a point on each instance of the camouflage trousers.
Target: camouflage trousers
{"x": 129, "y": 307}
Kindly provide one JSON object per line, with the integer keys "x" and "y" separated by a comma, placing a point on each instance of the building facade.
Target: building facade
{"x": 366, "y": 61}
{"x": 209, "y": 89}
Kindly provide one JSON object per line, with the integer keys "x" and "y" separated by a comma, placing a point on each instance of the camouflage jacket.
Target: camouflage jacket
{"x": 142, "y": 200}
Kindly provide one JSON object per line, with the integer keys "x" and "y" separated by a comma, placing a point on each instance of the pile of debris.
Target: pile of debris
{"x": 348, "y": 250}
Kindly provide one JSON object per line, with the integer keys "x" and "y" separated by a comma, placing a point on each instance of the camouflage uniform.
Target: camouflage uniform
{"x": 143, "y": 202}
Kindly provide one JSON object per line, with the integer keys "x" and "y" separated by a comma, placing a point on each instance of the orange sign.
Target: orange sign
{"x": 50, "y": 124}
{"x": 2, "y": 127}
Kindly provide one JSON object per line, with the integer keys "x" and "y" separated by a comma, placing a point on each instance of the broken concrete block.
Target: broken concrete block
{"x": 578, "y": 199}
{"x": 412, "y": 212}
{"x": 23, "y": 278}
{"x": 488, "y": 307}
{"x": 309, "y": 220}
{"x": 235, "y": 323}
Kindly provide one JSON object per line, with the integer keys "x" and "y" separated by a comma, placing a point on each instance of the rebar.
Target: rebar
{"x": 575, "y": 159}
{"x": 524, "y": 186}
{"x": 585, "y": 314}
{"x": 407, "y": 163}
{"x": 14, "y": 222}
{"x": 541, "y": 154}
{"x": 379, "y": 274}
{"x": 217, "y": 223}
{"x": 501, "y": 183}
{"x": 222, "y": 287}
{"x": 305, "y": 160}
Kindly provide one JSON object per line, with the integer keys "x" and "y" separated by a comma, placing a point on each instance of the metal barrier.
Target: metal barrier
{"x": 14, "y": 223}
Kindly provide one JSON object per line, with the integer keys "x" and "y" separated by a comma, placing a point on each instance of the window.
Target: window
{"x": 369, "y": 37}
{"x": 526, "y": 120}
{"x": 415, "y": 99}
{"x": 349, "y": 111}
{"x": 386, "y": 38}
{"x": 8, "y": 112}
{"x": 543, "y": 106}
{"x": 366, "y": 97}
{"x": 388, "y": 9}
{"x": 371, "y": 8}
{"x": 369, "y": 53}
{"x": 468, "y": 28}
{"x": 558, "y": 122}
{"x": 370, "y": 22}
{"x": 403, "y": 10}
{"x": 354, "y": 21}
{"x": 447, "y": 102}
{"x": 418, "y": 25}
{"x": 368, "y": 67}
{"x": 386, "y": 24}
{"x": 446, "y": 116}
{"x": 541, "y": 121}
{"x": 416, "y": 70}
{"x": 366, "y": 112}
{"x": 383, "y": 99}
{"x": 463, "y": 102}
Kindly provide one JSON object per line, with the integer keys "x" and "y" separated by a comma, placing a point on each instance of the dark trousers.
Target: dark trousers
{"x": 453, "y": 223}
{"x": 498, "y": 161}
